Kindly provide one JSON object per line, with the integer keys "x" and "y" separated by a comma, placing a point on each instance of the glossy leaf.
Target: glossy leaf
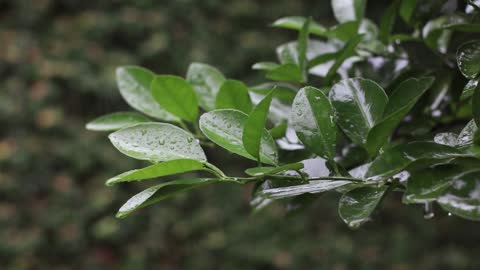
{"x": 462, "y": 198}
{"x": 255, "y": 125}
{"x": 395, "y": 159}
{"x": 170, "y": 167}
{"x": 358, "y": 104}
{"x": 446, "y": 138}
{"x": 348, "y": 10}
{"x": 286, "y": 73}
{"x": 400, "y": 103}
{"x": 312, "y": 119}
{"x": 206, "y": 81}
{"x": 233, "y": 95}
{"x": 273, "y": 170}
{"x": 116, "y": 121}
{"x": 468, "y": 59}
{"x": 356, "y": 206}
{"x": 157, "y": 142}
{"x": 160, "y": 192}
{"x": 465, "y": 137}
{"x": 314, "y": 186}
{"x": 265, "y": 65}
{"x": 134, "y": 85}
{"x": 176, "y": 96}
{"x": 297, "y": 22}
{"x": 225, "y": 128}
{"x": 469, "y": 89}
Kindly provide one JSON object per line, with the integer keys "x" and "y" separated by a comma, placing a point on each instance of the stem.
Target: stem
{"x": 213, "y": 169}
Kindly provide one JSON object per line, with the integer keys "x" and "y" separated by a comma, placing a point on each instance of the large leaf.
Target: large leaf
{"x": 158, "y": 170}
{"x": 175, "y": 95}
{"x": 134, "y": 85}
{"x": 157, "y": 142}
{"x": 314, "y": 186}
{"x": 297, "y": 22}
{"x": 348, "y": 10}
{"x": 160, "y": 192}
{"x": 400, "y": 103}
{"x": 395, "y": 159}
{"x": 356, "y": 206}
{"x": 468, "y": 59}
{"x": 312, "y": 119}
{"x": 116, "y": 121}
{"x": 254, "y": 126}
{"x": 358, "y": 104}
{"x": 462, "y": 198}
{"x": 225, "y": 128}
{"x": 206, "y": 80}
{"x": 233, "y": 94}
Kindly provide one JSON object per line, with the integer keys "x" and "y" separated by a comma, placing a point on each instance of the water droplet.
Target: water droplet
{"x": 449, "y": 214}
{"x": 144, "y": 131}
{"x": 428, "y": 211}
{"x": 189, "y": 139}
{"x": 161, "y": 142}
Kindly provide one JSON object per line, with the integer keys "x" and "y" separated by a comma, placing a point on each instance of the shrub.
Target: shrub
{"x": 361, "y": 109}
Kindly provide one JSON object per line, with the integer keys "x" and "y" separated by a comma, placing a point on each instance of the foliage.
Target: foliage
{"x": 355, "y": 84}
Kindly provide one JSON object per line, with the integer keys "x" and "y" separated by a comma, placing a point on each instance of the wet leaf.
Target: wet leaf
{"x": 286, "y": 73}
{"x": 165, "y": 168}
{"x": 356, "y": 206}
{"x": 273, "y": 170}
{"x": 116, "y": 121}
{"x": 225, "y": 128}
{"x": 468, "y": 59}
{"x": 157, "y": 142}
{"x": 312, "y": 119}
{"x": 314, "y": 186}
{"x": 465, "y": 137}
{"x": 255, "y": 125}
{"x": 175, "y": 95}
{"x": 134, "y": 85}
{"x": 358, "y": 104}
{"x": 348, "y": 10}
{"x": 446, "y": 138}
{"x": 297, "y": 22}
{"x": 234, "y": 95}
{"x": 206, "y": 81}
{"x": 160, "y": 192}
{"x": 469, "y": 89}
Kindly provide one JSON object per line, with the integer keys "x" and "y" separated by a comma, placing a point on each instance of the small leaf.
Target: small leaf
{"x": 356, "y": 206}
{"x": 465, "y": 137}
{"x": 157, "y": 170}
{"x": 468, "y": 59}
{"x": 296, "y": 23}
{"x": 157, "y": 142}
{"x": 255, "y": 126}
{"x": 407, "y": 9}
{"x": 257, "y": 171}
{"x": 265, "y": 65}
{"x": 388, "y": 20}
{"x": 233, "y": 95}
{"x": 476, "y": 106}
{"x": 312, "y": 119}
{"x": 225, "y": 128}
{"x": 347, "y": 51}
{"x": 175, "y": 95}
{"x": 348, "y": 10}
{"x": 358, "y": 104}
{"x": 134, "y": 85}
{"x": 116, "y": 121}
{"x": 286, "y": 73}
{"x": 302, "y": 46}
{"x": 314, "y": 186}
{"x": 469, "y": 89}
{"x": 462, "y": 198}
{"x": 400, "y": 103}
{"x": 160, "y": 192}
{"x": 206, "y": 81}
{"x": 395, "y": 159}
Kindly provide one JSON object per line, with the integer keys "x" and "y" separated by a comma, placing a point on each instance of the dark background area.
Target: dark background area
{"x": 57, "y": 61}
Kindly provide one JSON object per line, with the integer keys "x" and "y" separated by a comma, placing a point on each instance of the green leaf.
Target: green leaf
{"x": 358, "y": 104}
{"x": 344, "y": 31}
{"x": 279, "y": 131}
{"x": 465, "y": 137}
{"x": 297, "y": 22}
{"x": 286, "y": 73}
{"x": 255, "y": 125}
{"x": 435, "y": 35}
{"x": 388, "y": 20}
{"x": 468, "y": 59}
{"x": 225, "y": 128}
{"x": 462, "y": 198}
{"x": 347, "y": 51}
{"x": 233, "y": 94}
{"x": 157, "y": 170}
{"x": 134, "y": 85}
{"x": 396, "y": 159}
{"x": 476, "y": 105}
{"x": 157, "y": 142}
{"x": 469, "y": 89}
{"x": 175, "y": 95}
{"x": 116, "y": 121}
{"x": 257, "y": 171}
{"x": 206, "y": 81}
{"x": 265, "y": 65}
{"x": 314, "y": 186}
{"x": 312, "y": 119}
{"x": 302, "y": 46}
{"x": 160, "y": 192}
{"x": 446, "y": 138}
{"x": 356, "y": 206}
{"x": 348, "y": 10}
{"x": 400, "y": 103}
{"x": 407, "y": 9}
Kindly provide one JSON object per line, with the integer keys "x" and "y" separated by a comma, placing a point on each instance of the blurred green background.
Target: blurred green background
{"x": 57, "y": 61}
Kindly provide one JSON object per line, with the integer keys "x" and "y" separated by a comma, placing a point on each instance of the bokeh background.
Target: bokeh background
{"x": 57, "y": 61}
